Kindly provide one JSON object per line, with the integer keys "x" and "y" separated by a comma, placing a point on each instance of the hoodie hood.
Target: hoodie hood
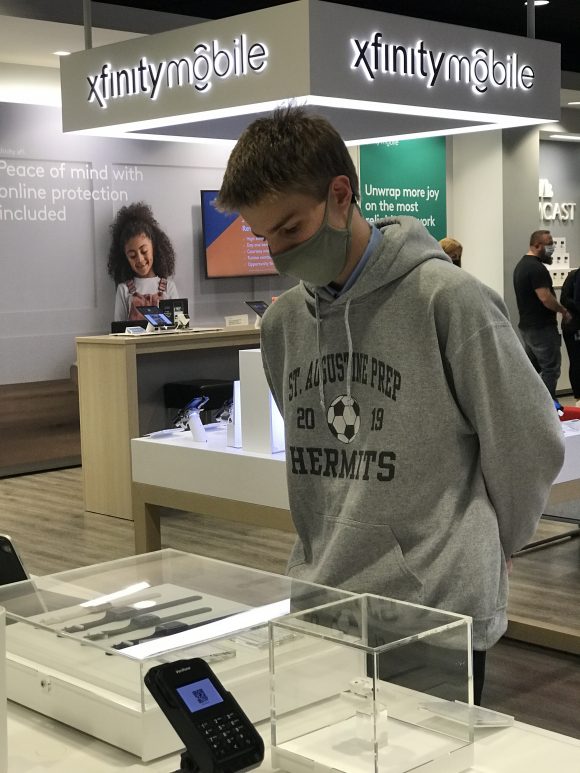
{"x": 408, "y": 244}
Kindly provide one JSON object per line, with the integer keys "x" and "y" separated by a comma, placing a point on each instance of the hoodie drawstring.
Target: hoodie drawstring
{"x": 320, "y": 379}
{"x": 349, "y": 339}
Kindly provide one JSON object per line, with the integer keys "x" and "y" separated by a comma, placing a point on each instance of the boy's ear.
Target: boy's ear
{"x": 341, "y": 191}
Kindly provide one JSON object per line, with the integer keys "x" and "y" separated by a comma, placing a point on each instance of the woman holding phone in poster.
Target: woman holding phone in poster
{"x": 141, "y": 261}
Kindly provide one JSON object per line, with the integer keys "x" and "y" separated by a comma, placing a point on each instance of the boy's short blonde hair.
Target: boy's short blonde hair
{"x": 289, "y": 151}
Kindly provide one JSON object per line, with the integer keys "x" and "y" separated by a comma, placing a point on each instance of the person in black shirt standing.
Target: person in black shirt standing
{"x": 570, "y": 299}
{"x": 538, "y": 307}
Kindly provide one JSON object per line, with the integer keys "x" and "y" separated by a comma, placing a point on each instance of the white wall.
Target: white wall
{"x": 475, "y": 203}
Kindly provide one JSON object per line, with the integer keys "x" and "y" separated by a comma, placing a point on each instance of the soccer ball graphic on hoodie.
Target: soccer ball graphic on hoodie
{"x": 343, "y": 418}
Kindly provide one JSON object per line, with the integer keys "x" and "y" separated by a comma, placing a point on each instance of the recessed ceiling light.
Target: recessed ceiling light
{"x": 540, "y": 2}
{"x": 567, "y": 137}
{"x": 61, "y": 53}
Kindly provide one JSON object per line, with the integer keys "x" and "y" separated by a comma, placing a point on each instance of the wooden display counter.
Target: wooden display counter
{"x": 121, "y": 382}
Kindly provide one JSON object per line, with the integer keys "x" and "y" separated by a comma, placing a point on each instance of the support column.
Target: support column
{"x": 492, "y": 197}
{"x": 521, "y": 174}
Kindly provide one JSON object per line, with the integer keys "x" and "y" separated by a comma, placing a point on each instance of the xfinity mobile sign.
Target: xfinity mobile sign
{"x": 481, "y": 69}
{"x": 210, "y": 62}
{"x": 427, "y": 76}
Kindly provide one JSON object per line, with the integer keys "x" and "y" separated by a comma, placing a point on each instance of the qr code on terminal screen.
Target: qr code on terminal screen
{"x": 200, "y": 696}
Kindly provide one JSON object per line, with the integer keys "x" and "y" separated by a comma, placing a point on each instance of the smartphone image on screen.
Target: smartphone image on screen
{"x": 258, "y": 306}
{"x": 155, "y": 316}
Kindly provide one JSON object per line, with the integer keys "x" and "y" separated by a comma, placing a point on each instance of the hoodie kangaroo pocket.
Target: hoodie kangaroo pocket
{"x": 358, "y": 556}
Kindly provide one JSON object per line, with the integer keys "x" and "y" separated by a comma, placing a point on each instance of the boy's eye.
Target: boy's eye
{"x": 292, "y": 230}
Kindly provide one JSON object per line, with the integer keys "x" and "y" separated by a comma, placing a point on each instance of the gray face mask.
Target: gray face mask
{"x": 548, "y": 252}
{"x": 320, "y": 259}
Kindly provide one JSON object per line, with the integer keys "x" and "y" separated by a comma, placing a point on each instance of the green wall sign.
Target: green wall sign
{"x": 405, "y": 177}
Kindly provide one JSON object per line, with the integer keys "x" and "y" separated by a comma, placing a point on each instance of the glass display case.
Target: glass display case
{"x": 3, "y": 728}
{"x": 376, "y": 686}
{"x": 79, "y": 643}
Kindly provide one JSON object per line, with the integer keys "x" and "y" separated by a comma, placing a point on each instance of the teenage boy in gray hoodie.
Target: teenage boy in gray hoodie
{"x": 420, "y": 442}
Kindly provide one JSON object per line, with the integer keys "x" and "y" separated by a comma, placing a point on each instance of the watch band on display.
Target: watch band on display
{"x": 79, "y": 610}
{"x": 117, "y": 614}
{"x": 165, "y": 629}
{"x": 147, "y": 620}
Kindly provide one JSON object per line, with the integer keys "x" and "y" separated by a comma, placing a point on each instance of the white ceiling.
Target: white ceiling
{"x": 32, "y": 42}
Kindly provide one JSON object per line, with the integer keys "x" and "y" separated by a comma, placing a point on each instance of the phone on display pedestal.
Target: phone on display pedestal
{"x": 155, "y": 316}
{"x": 258, "y": 306}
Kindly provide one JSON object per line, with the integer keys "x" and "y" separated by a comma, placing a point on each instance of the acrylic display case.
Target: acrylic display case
{"x": 3, "y": 728}
{"x": 79, "y": 643}
{"x": 402, "y": 696}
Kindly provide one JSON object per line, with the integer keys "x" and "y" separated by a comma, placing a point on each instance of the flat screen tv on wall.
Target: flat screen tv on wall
{"x": 230, "y": 247}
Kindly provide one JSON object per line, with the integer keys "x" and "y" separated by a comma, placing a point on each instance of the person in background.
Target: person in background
{"x": 141, "y": 261}
{"x": 538, "y": 307}
{"x": 570, "y": 299}
{"x": 453, "y": 249}
{"x": 420, "y": 443}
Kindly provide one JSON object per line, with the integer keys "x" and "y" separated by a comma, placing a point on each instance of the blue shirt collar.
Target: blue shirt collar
{"x": 374, "y": 239}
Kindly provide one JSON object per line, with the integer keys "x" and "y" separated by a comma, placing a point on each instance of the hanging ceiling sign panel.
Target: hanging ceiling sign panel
{"x": 375, "y": 75}
{"x": 224, "y": 65}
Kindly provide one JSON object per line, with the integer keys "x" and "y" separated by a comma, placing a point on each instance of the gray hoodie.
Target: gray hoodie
{"x": 420, "y": 442}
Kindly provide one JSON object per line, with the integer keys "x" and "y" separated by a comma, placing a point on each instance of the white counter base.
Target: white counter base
{"x": 37, "y": 744}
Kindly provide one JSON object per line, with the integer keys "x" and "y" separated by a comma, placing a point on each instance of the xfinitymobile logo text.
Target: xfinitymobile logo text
{"x": 482, "y": 69}
{"x": 209, "y": 61}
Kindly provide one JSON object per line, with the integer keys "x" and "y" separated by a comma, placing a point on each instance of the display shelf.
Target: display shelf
{"x": 209, "y": 478}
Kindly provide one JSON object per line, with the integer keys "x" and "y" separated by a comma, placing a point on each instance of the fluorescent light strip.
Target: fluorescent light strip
{"x": 175, "y": 138}
{"x": 433, "y": 133}
{"x": 209, "y": 115}
{"x": 565, "y": 137}
{"x": 431, "y": 112}
{"x": 312, "y": 100}
{"x": 233, "y": 624}
{"x": 358, "y": 141}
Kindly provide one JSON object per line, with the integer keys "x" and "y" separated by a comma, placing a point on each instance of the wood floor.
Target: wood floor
{"x": 44, "y": 515}
{"x": 47, "y": 412}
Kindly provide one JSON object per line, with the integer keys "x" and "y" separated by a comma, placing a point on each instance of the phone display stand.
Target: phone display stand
{"x": 189, "y": 418}
{"x": 150, "y": 328}
{"x": 258, "y": 322}
{"x": 196, "y": 427}
{"x": 181, "y": 321}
